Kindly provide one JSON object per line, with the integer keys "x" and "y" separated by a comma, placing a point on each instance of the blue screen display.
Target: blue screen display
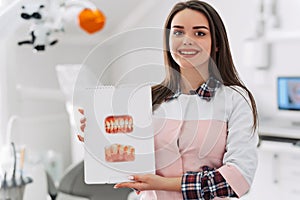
{"x": 288, "y": 93}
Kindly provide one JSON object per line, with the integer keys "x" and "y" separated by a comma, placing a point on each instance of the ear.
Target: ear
{"x": 217, "y": 49}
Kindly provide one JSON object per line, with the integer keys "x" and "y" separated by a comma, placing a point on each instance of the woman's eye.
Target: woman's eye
{"x": 200, "y": 33}
{"x": 177, "y": 33}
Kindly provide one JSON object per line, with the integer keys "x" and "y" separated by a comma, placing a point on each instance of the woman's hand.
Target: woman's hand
{"x": 82, "y": 125}
{"x": 151, "y": 182}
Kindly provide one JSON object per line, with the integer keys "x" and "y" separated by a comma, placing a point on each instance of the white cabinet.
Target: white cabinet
{"x": 278, "y": 173}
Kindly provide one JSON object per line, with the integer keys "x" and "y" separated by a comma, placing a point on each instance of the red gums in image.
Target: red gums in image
{"x": 118, "y": 124}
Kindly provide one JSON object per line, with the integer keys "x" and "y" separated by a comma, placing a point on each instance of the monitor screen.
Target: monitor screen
{"x": 288, "y": 93}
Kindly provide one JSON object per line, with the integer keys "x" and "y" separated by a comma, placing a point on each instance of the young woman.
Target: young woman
{"x": 204, "y": 117}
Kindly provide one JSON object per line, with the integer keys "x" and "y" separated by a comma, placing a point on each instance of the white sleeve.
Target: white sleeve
{"x": 240, "y": 158}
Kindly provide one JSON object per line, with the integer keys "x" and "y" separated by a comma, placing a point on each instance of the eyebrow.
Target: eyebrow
{"x": 195, "y": 27}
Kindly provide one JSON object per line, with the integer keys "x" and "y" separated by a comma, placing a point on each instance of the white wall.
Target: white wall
{"x": 240, "y": 22}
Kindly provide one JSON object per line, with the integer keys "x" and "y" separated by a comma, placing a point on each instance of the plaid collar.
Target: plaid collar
{"x": 206, "y": 91}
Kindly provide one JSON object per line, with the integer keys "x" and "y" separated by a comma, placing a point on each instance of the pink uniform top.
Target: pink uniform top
{"x": 191, "y": 132}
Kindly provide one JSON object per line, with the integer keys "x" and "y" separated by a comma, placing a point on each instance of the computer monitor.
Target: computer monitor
{"x": 288, "y": 93}
{"x": 288, "y": 99}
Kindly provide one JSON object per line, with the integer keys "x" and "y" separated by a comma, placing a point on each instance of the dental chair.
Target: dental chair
{"x": 72, "y": 183}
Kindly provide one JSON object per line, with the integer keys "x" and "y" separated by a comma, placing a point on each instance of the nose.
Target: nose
{"x": 187, "y": 41}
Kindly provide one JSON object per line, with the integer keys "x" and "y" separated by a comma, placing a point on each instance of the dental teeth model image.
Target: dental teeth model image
{"x": 119, "y": 153}
{"x": 118, "y": 124}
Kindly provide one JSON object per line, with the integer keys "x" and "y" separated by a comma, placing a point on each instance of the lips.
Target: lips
{"x": 188, "y": 52}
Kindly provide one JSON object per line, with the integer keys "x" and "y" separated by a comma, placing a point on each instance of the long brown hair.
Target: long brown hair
{"x": 220, "y": 65}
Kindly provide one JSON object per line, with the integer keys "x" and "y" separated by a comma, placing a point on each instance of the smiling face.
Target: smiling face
{"x": 190, "y": 39}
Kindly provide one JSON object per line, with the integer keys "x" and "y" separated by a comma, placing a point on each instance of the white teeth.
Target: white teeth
{"x": 188, "y": 52}
{"x": 119, "y": 125}
{"x": 107, "y": 124}
{"x": 114, "y": 148}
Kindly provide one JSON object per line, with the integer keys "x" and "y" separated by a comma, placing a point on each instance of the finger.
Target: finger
{"x": 126, "y": 185}
{"x": 81, "y": 110}
{"x": 82, "y": 127}
{"x": 138, "y": 178}
{"x": 120, "y": 185}
{"x": 80, "y": 138}
{"x": 82, "y": 120}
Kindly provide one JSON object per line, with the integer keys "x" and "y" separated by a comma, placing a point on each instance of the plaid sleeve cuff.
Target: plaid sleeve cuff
{"x": 205, "y": 185}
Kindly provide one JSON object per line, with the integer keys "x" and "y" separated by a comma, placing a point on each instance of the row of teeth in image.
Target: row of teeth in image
{"x": 118, "y": 124}
{"x": 119, "y": 153}
{"x": 188, "y": 52}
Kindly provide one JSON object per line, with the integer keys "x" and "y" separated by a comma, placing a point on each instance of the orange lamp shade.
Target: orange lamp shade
{"x": 91, "y": 20}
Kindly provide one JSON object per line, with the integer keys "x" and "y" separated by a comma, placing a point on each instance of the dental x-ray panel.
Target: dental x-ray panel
{"x": 119, "y": 135}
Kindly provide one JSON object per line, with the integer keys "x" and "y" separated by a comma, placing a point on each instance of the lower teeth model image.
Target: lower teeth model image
{"x": 119, "y": 153}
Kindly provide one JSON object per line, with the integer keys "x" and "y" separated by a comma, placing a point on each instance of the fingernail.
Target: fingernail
{"x": 130, "y": 177}
{"x": 81, "y": 139}
{"x": 80, "y": 110}
{"x": 115, "y": 186}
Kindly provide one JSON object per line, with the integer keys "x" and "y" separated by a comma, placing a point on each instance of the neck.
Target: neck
{"x": 191, "y": 79}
